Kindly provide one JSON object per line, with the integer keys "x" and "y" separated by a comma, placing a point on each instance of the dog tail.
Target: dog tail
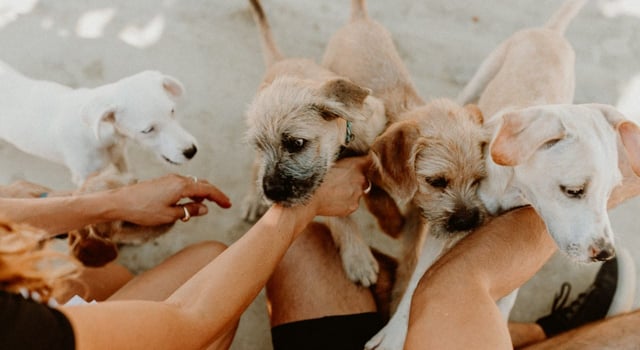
{"x": 269, "y": 48}
{"x": 563, "y": 16}
{"x": 358, "y": 9}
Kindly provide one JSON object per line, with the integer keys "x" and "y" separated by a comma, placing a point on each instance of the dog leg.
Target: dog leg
{"x": 254, "y": 205}
{"x": 393, "y": 335}
{"x": 357, "y": 259}
{"x": 505, "y": 304}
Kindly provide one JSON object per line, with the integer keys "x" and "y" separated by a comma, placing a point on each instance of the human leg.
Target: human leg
{"x": 161, "y": 281}
{"x": 309, "y": 289}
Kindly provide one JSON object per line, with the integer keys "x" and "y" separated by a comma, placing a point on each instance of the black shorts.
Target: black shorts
{"x": 344, "y": 332}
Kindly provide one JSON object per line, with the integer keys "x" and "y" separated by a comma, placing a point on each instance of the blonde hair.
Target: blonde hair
{"x": 27, "y": 261}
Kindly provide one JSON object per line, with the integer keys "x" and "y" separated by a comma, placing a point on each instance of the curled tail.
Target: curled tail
{"x": 269, "y": 49}
{"x": 563, "y": 16}
{"x": 358, "y": 9}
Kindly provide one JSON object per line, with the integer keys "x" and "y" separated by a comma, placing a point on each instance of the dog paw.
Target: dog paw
{"x": 254, "y": 208}
{"x": 361, "y": 266}
{"x": 385, "y": 341}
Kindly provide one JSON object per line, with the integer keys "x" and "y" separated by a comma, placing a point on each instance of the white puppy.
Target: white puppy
{"x": 561, "y": 159}
{"x": 86, "y": 129}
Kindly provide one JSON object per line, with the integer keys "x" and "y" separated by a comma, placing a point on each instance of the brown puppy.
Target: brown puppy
{"x": 96, "y": 245}
{"x": 432, "y": 163}
{"x": 301, "y": 120}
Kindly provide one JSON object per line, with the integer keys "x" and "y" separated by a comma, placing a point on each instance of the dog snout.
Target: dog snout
{"x": 276, "y": 190}
{"x": 190, "y": 152}
{"x": 598, "y": 252}
{"x": 463, "y": 219}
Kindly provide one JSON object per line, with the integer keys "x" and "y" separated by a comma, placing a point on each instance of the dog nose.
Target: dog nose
{"x": 276, "y": 190}
{"x": 601, "y": 254}
{"x": 190, "y": 152}
{"x": 464, "y": 219}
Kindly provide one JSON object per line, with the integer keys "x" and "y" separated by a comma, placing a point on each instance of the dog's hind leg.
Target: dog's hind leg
{"x": 357, "y": 259}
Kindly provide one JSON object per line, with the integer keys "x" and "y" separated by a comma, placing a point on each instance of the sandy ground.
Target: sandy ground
{"x": 213, "y": 48}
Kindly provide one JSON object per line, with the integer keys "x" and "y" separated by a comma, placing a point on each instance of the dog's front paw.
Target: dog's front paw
{"x": 254, "y": 208}
{"x": 387, "y": 339}
{"x": 361, "y": 266}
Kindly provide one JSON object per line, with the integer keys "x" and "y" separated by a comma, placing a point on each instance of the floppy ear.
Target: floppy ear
{"x": 172, "y": 86}
{"x": 628, "y": 131}
{"x": 343, "y": 98}
{"x": 393, "y": 155}
{"x": 96, "y": 112}
{"x": 475, "y": 113}
{"x": 522, "y": 133}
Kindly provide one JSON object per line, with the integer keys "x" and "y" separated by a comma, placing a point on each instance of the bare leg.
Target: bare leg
{"x": 619, "y": 332}
{"x": 95, "y": 283}
{"x": 310, "y": 282}
{"x": 159, "y": 282}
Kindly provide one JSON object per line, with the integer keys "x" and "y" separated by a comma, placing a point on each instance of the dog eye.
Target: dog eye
{"x": 148, "y": 130}
{"x": 294, "y": 145}
{"x": 573, "y": 192}
{"x": 437, "y": 182}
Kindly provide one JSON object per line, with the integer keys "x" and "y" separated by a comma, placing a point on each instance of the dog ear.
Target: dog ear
{"x": 393, "y": 156}
{"x": 172, "y": 86}
{"x": 475, "y": 113}
{"x": 522, "y": 133}
{"x": 344, "y": 99}
{"x": 628, "y": 131}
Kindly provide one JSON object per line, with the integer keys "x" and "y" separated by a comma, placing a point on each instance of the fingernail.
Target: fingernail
{"x": 202, "y": 210}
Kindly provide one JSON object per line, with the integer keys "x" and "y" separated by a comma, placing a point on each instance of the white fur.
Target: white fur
{"x": 86, "y": 129}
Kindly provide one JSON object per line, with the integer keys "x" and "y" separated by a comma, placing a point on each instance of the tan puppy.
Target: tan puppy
{"x": 432, "y": 162}
{"x": 302, "y": 119}
{"x": 96, "y": 245}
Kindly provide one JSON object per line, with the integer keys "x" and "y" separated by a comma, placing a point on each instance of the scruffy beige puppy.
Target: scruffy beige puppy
{"x": 432, "y": 163}
{"x": 302, "y": 119}
{"x": 96, "y": 245}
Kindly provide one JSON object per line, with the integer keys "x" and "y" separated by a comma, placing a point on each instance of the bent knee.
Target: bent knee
{"x": 206, "y": 250}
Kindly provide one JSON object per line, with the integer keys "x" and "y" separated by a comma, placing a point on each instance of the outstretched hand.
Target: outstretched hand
{"x": 164, "y": 200}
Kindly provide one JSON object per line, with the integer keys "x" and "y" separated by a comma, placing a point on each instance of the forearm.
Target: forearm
{"x": 461, "y": 288}
{"x": 222, "y": 290}
{"x": 59, "y": 214}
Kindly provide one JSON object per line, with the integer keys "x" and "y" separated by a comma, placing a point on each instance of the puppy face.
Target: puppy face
{"x": 142, "y": 107}
{"x": 435, "y": 159}
{"x": 565, "y": 163}
{"x": 298, "y": 128}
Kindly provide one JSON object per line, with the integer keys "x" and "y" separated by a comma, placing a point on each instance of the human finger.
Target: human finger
{"x": 201, "y": 189}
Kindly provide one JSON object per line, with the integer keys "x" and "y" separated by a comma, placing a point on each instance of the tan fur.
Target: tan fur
{"x": 96, "y": 245}
{"x": 300, "y": 120}
{"x": 431, "y": 162}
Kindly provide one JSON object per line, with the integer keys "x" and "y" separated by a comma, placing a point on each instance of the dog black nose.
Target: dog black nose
{"x": 190, "y": 152}
{"x": 463, "y": 219}
{"x": 276, "y": 190}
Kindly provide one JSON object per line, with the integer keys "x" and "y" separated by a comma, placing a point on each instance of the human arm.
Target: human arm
{"x": 151, "y": 202}
{"x": 203, "y": 307}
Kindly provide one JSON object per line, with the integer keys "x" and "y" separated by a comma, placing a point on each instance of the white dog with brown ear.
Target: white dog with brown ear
{"x": 87, "y": 129}
{"x": 561, "y": 159}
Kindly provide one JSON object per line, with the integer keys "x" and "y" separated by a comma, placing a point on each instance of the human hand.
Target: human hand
{"x": 343, "y": 185}
{"x": 630, "y": 186}
{"x": 161, "y": 200}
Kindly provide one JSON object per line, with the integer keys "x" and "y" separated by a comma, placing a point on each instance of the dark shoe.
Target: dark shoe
{"x": 589, "y": 306}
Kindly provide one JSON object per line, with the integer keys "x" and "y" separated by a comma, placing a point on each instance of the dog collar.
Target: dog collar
{"x": 349, "y": 135}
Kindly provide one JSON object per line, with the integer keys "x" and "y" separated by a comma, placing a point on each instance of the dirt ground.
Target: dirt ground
{"x": 213, "y": 48}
